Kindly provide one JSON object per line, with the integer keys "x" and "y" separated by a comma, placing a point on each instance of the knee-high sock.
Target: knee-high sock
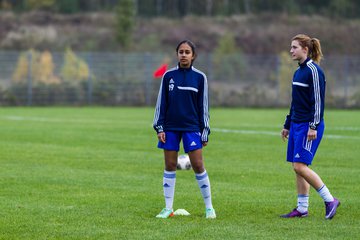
{"x": 169, "y": 180}
{"x": 204, "y": 185}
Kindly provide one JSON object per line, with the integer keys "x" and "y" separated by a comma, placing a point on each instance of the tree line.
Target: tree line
{"x": 180, "y": 8}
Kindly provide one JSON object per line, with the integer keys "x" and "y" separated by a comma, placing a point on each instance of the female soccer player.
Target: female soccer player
{"x": 304, "y": 126}
{"x": 182, "y": 113}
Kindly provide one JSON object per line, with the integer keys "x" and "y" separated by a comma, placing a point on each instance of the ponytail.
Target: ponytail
{"x": 315, "y": 52}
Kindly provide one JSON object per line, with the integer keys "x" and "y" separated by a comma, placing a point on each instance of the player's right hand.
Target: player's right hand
{"x": 161, "y": 137}
{"x": 284, "y": 134}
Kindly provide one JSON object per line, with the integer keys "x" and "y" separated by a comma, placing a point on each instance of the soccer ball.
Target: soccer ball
{"x": 183, "y": 162}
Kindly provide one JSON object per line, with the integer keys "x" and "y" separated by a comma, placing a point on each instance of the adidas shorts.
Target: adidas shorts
{"x": 191, "y": 141}
{"x": 299, "y": 148}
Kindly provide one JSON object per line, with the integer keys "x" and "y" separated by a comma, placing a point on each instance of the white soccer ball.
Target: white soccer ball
{"x": 183, "y": 162}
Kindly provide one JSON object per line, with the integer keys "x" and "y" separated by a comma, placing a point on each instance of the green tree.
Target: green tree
{"x": 286, "y": 71}
{"x": 40, "y": 4}
{"x": 228, "y": 59}
{"x": 74, "y": 69}
{"x": 41, "y": 66}
{"x": 342, "y": 8}
{"x": 125, "y": 14}
{"x": 67, "y": 6}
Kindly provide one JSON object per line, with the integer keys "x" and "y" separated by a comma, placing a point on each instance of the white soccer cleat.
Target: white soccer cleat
{"x": 210, "y": 213}
{"x": 165, "y": 213}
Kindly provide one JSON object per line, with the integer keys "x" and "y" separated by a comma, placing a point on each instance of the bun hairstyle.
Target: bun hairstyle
{"x": 191, "y": 44}
{"x": 313, "y": 45}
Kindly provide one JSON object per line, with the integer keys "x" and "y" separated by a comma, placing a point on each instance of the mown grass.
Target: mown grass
{"x": 95, "y": 173}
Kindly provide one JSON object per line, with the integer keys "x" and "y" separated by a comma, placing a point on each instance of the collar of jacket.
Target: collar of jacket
{"x": 185, "y": 69}
{"x": 304, "y": 63}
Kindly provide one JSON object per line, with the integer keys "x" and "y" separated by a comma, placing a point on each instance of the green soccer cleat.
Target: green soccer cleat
{"x": 165, "y": 213}
{"x": 210, "y": 213}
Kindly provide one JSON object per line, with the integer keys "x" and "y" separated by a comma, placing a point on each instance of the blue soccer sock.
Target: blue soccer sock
{"x": 204, "y": 185}
{"x": 169, "y": 180}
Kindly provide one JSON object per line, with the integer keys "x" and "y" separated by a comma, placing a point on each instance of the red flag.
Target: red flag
{"x": 160, "y": 71}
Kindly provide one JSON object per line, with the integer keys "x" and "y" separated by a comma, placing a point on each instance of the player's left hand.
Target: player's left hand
{"x": 311, "y": 135}
{"x": 204, "y": 144}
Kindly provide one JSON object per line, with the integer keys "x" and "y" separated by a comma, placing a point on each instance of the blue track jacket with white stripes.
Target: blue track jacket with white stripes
{"x": 308, "y": 95}
{"x": 182, "y": 103}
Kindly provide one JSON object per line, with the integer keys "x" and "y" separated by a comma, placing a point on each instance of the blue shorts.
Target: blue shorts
{"x": 299, "y": 148}
{"x": 191, "y": 141}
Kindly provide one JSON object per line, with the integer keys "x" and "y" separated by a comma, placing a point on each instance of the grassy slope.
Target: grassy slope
{"x": 95, "y": 173}
{"x": 254, "y": 34}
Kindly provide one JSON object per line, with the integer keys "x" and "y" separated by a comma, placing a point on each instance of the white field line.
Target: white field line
{"x": 223, "y": 130}
{"x": 271, "y": 133}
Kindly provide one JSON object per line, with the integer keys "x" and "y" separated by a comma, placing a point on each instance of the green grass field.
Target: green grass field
{"x": 95, "y": 173}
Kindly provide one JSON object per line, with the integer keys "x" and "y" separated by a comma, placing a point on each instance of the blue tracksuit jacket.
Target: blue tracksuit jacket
{"x": 182, "y": 103}
{"x": 308, "y": 95}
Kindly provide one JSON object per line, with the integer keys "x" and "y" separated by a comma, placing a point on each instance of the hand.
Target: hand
{"x": 311, "y": 135}
{"x": 284, "y": 134}
{"x": 161, "y": 137}
{"x": 204, "y": 144}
